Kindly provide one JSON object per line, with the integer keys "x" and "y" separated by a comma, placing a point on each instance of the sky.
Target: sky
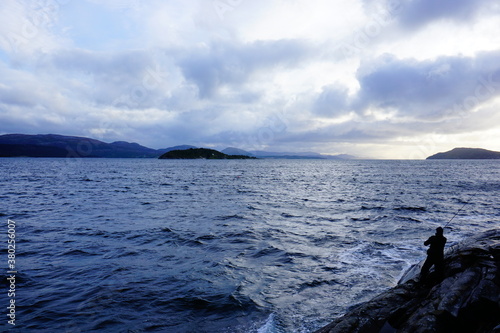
{"x": 392, "y": 79}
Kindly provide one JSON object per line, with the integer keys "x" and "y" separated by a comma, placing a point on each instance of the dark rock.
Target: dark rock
{"x": 466, "y": 299}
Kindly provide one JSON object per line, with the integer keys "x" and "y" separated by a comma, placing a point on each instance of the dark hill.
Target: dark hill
{"x": 200, "y": 153}
{"x": 467, "y": 154}
{"x": 52, "y": 145}
{"x": 15, "y": 150}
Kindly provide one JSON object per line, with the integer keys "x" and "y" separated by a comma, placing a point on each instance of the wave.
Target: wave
{"x": 372, "y": 207}
{"x": 207, "y": 237}
{"x": 268, "y": 251}
{"x": 288, "y": 215}
{"x": 411, "y": 208}
{"x": 214, "y": 259}
{"x": 217, "y": 303}
{"x": 78, "y": 252}
{"x": 360, "y": 219}
{"x": 230, "y": 217}
{"x": 316, "y": 283}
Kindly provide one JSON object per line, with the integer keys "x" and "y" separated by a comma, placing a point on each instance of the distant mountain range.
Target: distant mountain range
{"x": 54, "y": 145}
{"x": 466, "y": 153}
{"x": 286, "y": 155}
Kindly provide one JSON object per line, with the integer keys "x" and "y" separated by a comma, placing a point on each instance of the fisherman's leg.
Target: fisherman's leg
{"x": 439, "y": 267}
{"x": 425, "y": 268}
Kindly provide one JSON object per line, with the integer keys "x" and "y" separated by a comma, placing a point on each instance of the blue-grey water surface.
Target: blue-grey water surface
{"x": 146, "y": 245}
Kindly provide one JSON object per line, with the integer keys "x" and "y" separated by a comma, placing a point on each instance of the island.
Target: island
{"x": 202, "y": 153}
{"x": 466, "y": 299}
{"x": 466, "y": 154}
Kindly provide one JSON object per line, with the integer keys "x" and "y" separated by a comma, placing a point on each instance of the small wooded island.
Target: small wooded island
{"x": 202, "y": 153}
{"x": 466, "y": 154}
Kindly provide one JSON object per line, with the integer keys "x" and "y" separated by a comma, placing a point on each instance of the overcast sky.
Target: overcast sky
{"x": 373, "y": 78}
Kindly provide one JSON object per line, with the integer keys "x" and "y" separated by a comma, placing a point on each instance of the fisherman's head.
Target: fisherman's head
{"x": 439, "y": 231}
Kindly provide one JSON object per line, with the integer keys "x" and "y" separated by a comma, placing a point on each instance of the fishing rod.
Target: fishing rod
{"x": 468, "y": 201}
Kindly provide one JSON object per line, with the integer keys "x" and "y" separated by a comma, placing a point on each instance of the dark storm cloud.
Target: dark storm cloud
{"x": 232, "y": 64}
{"x": 431, "y": 88}
{"x": 415, "y": 13}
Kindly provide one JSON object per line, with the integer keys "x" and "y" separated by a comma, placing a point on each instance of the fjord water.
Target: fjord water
{"x": 145, "y": 245}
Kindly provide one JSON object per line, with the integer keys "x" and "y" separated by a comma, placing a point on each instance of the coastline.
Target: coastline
{"x": 467, "y": 299}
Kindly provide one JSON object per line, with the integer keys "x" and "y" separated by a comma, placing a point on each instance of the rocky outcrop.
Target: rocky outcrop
{"x": 466, "y": 299}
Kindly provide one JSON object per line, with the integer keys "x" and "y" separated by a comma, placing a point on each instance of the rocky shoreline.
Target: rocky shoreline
{"x": 466, "y": 299}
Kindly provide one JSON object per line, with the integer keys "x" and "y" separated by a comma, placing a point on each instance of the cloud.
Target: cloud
{"x": 332, "y": 101}
{"x": 400, "y": 99}
{"x": 17, "y": 97}
{"x": 332, "y": 72}
{"x": 127, "y": 64}
{"x": 27, "y": 28}
{"x": 430, "y": 89}
{"x": 130, "y": 79}
{"x": 416, "y": 13}
{"x": 232, "y": 64}
{"x": 390, "y": 132}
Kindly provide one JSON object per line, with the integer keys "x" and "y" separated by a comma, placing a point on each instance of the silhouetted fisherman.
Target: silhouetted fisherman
{"x": 435, "y": 254}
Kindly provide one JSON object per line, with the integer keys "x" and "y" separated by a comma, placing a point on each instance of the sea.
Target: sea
{"x": 263, "y": 246}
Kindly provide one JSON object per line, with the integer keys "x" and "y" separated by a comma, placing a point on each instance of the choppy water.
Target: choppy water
{"x": 117, "y": 245}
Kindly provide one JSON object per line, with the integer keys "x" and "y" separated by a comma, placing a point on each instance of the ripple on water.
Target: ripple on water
{"x": 228, "y": 246}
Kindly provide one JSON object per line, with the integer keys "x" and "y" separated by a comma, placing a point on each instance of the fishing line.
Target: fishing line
{"x": 466, "y": 202}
